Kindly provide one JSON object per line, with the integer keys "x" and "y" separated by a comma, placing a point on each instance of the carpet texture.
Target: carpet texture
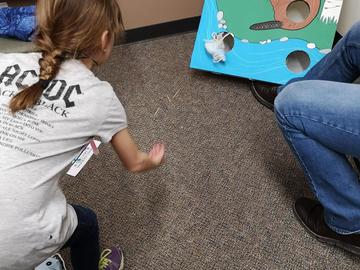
{"x": 8, "y": 45}
{"x": 223, "y": 199}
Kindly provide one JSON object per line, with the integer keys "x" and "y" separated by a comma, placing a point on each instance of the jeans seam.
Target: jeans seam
{"x": 321, "y": 122}
{"x": 297, "y": 154}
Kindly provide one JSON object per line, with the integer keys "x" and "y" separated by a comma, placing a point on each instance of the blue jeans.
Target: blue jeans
{"x": 319, "y": 116}
{"x": 84, "y": 243}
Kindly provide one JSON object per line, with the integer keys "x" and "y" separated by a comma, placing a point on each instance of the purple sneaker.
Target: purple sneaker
{"x": 111, "y": 259}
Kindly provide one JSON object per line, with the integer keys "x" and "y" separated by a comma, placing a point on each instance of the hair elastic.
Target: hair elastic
{"x": 85, "y": 55}
{"x": 79, "y": 56}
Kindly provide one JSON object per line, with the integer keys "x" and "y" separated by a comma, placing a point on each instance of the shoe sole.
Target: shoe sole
{"x": 259, "y": 98}
{"x": 332, "y": 242}
{"x": 122, "y": 264}
{"x": 61, "y": 260}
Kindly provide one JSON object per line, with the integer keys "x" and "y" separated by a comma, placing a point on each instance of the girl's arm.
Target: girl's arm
{"x": 132, "y": 158}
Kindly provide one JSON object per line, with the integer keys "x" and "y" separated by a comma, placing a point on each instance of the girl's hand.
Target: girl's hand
{"x": 157, "y": 154}
{"x": 132, "y": 158}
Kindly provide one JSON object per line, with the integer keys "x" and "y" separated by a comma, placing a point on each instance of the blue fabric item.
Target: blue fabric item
{"x": 319, "y": 116}
{"x": 17, "y": 22}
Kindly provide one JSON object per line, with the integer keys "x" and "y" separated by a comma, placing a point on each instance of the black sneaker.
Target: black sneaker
{"x": 265, "y": 93}
{"x": 310, "y": 214}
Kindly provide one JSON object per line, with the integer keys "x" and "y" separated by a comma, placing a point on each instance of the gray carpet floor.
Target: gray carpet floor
{"x": 223, "y": 199}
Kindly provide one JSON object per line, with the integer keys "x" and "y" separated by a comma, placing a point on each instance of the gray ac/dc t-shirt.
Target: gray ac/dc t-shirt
{"x": 37, "y": 145}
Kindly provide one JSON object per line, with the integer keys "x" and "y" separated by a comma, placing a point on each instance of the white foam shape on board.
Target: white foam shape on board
{"x": 225, "y": 26}
{"x": 220, "y": 15}
{"x": 220, "y": 25}
{"x": 283, "y": 39}
{"x": 331, "y": 11}
{"x": 268, "y": 41}
{"x": 263, "y": 42}
{"x": 223, "y": 21}
{"x": 325, "y": 51}
{"x": 245, "y": 41}
{"x": 311, "y": 45}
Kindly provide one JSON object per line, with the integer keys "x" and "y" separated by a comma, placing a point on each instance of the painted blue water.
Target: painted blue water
{"x": 248, "y": 60}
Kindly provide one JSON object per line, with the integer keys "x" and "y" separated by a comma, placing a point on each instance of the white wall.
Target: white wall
{"x": 349, "y": 15}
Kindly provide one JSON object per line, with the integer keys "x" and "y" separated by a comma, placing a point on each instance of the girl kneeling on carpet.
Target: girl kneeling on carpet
{"x": 51, "y": 104}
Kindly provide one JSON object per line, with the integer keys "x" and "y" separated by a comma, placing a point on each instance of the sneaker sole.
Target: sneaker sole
{"x": 259, "y": 98}
{"x": 330, "y": 241}
{"x": 122, "y": 264}
{"x": 58, "y": 256}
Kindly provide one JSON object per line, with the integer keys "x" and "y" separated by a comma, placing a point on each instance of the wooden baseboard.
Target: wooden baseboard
{"x": 162, "y": 29}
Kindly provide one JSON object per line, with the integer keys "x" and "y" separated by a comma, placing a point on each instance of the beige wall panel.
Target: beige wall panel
{"x": 140, "y": 13}
{"x": 350, "y": 14}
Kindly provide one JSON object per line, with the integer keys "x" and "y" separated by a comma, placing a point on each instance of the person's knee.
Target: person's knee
{"x": 88, "y": 218}
{"x": 294, "y": 100}
{"x": 288, "y": 98}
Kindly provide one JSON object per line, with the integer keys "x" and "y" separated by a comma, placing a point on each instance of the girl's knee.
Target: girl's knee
{"x": 86, "y": 216}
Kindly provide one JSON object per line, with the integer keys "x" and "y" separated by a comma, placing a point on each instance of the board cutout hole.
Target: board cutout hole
{"x": 298, "y": 11}
{"x": 298, "y": 61}
{"x": 229, "y": 41}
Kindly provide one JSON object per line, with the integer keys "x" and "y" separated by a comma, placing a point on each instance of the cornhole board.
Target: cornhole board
{"x": 265, "y": 37}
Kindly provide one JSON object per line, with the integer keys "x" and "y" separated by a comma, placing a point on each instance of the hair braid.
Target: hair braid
{"x": 50, "y": 64}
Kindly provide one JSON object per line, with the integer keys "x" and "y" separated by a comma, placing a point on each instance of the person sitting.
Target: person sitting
{"x": 319, "y": 116}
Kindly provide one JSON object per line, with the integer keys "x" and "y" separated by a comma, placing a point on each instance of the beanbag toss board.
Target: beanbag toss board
{"x": 267, "y": 40}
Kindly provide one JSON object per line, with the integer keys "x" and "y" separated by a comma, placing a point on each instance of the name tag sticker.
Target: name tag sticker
{"x": 80, "y": 161}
